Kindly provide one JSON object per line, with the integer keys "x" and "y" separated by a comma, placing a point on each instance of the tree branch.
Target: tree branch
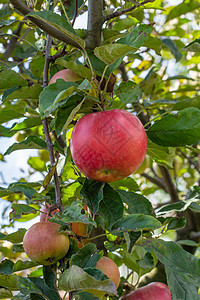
{"x": 13, "y": 41}
{"x": 169, "y": 184}
{"x": 125, "y": 11}
{"x": 158, "y": 181}
{"x": 94, "y": 25}
{"x": 52, "y": 31}
{"x": 46, "y": 128}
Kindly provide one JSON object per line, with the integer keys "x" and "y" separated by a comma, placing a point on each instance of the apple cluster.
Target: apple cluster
{"x": 106, "y": 146}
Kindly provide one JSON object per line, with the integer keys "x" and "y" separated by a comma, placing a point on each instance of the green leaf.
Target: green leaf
{"x": 86, "y": 296}
{"x": 179, "y": 129}
{"x": 31, "y": 142}
{"x": 24, "y": 188}
{"x": 162, "y": 155}
{"x": 9, "y": 78}
{"x": 15, "y": 237}
{"x": 124, "y": 184}
{"x": 8, "y": 114}
{"x": 194, "y": 46}
{"x": 128, "y": 92}
{"x": 183, "y": 269}
{"x": 54, "y": 93}
{"x": 59, "y": 23}
{"x": 172, "y": 47}
{"x": 92, "y": 192}
{"x": 76, "y": 278}
{"x": 136, "y": 222}
{"x": 137, "y": 204}
{"x": 6, "y": 267}
{"x": 10, "y": 282}
{"x": 23, "y": 265}
{"x": 26, "y": 93}
{"x": 37, "y": 164}
{"x": 110, "y": 207}
{"x": 183, "y": 8}
{"x": 195, "y": 102}
{"x": 82, "y": 257}
{"x": 112, "y": 52}
{"x": 76, "y": 68}
{"x": 137, "y": 36}
{"x": 21, "y": 209}
{"x": 27, "y": 123}
{"x": 5, "y": 293}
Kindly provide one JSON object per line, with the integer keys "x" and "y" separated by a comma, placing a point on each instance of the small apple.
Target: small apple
{"x": 66, "y": 75}
{"x": 44, "y": 244}
{"x": 79, "y": 228}
{"x": 109, "y": 268}
{"x": 152, "y": 291}
{"x": 109, "y": 145}
{"x": 44, "y": 211}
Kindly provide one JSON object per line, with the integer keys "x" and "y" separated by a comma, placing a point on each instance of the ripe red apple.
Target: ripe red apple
{"x": 44, "y": 211}
{"x": 44, "y": 244}
{"x": 66, "y": 75}
{"x": 108, "y": 145}
{"x": 152, "y": 291}
{"x": 109, "y": 268}
{"x": 79, "y": 228}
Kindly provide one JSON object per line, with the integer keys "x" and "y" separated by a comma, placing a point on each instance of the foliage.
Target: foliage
{"x": 151, "y": 50}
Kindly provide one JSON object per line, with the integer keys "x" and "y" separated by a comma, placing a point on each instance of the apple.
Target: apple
{"x": 109, "y": 268}
{"x": 43, "y": 243}
{"x": 109, "y": 145}
{"x": 152, "y": 291}
{"x": 79, "y": 228}
{"x": 66, "y": 75}
{"x": 44, "y": 211}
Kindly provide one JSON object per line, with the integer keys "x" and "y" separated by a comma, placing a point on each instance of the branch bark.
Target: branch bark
{"x": 94, "y": 25}
{"x": 125, "y": 11}
{"x": 52, "y": 31}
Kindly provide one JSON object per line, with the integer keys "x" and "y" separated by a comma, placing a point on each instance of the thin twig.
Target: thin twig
{"x": 76, "y": 13}
{"x": 46, "y": 128}
{"x": 125, "y": 11}
{"x": 158, "y": 181}
{"x": 189, "y": 160}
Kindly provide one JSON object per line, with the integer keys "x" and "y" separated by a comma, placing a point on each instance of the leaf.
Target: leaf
{"x": 21, "y": 209}
{"x": 15, "y": 237}
{"x": 172, "y": 47}
{"x": 76, "y": 278}
{"x": 86, "y": 296}
{"x": 54, "y": 93}
{"x": 182, "y": 8}
{"x": 162, "y": 155}
{"x": 92, "y": 192}
{"x": 7, "y": 115}
{"x": 59, "y": 23}
{"x": 137, "y": 204}
{"x": 5, "y": 293}
{"x": 23, "y": 265}
{"x": 6, "y": 267}
{"x": 195, "y": 102}
{"x": 112, "y": 52}
{"x": 31, "y": 142}
{"x": 10, "y": 282}
{"x": 27, "y": 92}
{"x": 10, "y": 78}
{"x": 37, "y": 164}
{"x": 76, "y": 68}
{"x": 82, "y": 257}
{"x": 24, "y": 188}
{"x": 180, "y": 129}
{"x": 124, "y": 184}
{"x": 137, "y": 36}
{"x": 136, "y": 222}
{"x": 27, "y": 123}
{"x": 183, "y": 269}
{"x": 128, "y": 92}
{"x": 194, "y": 46}
{"x": 110, "y": 207}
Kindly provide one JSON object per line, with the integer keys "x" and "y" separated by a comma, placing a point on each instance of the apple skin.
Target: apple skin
{"x": 44, "y": 211}
{"x": 109, "y": 145}
{"x": 109, "y": 268}
{"x": 44, "y": 244}
{"x": 66, "y": 75}
{"x": 152, "y": 291}
{"x": 79, "y": 228}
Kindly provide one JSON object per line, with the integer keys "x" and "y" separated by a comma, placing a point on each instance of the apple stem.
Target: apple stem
{"x": 46, "y": 128}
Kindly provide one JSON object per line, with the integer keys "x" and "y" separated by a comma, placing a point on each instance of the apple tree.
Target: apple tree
{"x": 135, "y": 56}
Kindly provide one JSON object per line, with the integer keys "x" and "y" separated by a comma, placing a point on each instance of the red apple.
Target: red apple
{"x": 108, "y": 145}
{"x": 44, "y": 244}
{"x": 109, "y": 268}
{"x": 79, "y": 228}
{"x": 152, "y": 291}
{"x": 66, "y": 75}
{"x": 44, "y": 211}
